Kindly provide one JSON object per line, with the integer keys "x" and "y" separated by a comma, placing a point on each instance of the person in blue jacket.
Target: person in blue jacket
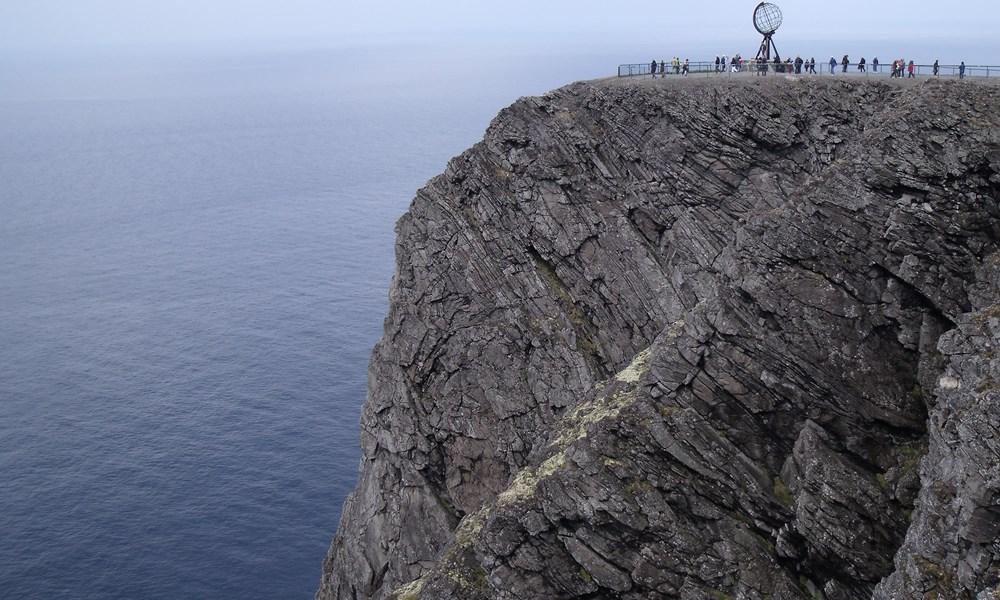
{"x": 833, "y": 65}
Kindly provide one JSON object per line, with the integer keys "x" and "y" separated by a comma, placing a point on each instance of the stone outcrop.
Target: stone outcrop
{"x": 701, "y": 340}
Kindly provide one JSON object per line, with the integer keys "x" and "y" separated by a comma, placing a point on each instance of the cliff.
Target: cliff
{"x": 654, "y": 339}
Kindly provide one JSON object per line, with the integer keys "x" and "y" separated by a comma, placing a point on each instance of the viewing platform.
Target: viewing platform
{"x": 750, "y": 68}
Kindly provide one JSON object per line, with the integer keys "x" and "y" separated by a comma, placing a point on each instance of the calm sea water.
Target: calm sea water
{"x": 194, "y": 261}
{"x": 194, "y": 258}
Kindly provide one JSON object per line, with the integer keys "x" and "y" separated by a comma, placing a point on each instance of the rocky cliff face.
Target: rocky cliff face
{"x": 702, "y": 340}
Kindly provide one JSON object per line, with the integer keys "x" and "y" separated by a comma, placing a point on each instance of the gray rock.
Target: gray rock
{"x": 713, "y": 340}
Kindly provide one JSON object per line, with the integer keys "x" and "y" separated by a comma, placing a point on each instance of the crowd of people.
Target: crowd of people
{"x": 676, "y": 66}
{"x": 736, "y": 64}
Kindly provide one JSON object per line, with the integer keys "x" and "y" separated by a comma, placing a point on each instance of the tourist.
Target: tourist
{"x": 798, "y": 65}
{"x": 812, "y": 65}
{"x": 677, "y": 65}
{"x": 716, "y": 64}
{"x": 861, "y": 65}
{"x": 845, "y": 61}
{"x": 725, "y": 61}
{"x": 910, "y": 70}
{"x": 937, "y": 68}
{"x": 833, "y": 64}
{"x": 652, "y": 68}
{"x": 875, "y": 65}
{"x": 961, "y": 70}
{"x": 687, "y": 67}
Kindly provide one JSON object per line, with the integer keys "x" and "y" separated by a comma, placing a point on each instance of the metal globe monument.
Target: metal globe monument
{"x": 767, "y": 19}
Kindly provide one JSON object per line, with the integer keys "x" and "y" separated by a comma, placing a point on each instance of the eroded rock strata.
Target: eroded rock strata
{"x": 710, "y": 340}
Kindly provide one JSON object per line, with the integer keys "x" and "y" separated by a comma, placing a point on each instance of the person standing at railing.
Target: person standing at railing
{"x": 716, "y": 64}
{"x": 875, "y": 65}
{"x": 812, "y": 65}
{"x": 687, "y": 67}
{"x": 833, "y": 64}
{"x": 677, "y": 66}
{"x": 652, "y": 68}
{"x": 663, "y": 68}
{"x": 861, "y": 65}
{"x": 937, "y": 68}
{"x": 724, "y": 63}
{"x": 910, "y": 70}
{"x": 961, "y": 70}
{"x": 845, "y": 61}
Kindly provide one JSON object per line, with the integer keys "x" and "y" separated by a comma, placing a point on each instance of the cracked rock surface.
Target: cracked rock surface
{"x": 710, "y": 341}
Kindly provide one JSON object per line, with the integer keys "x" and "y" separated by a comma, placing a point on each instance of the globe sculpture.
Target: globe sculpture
{"x": 767, "y": 19}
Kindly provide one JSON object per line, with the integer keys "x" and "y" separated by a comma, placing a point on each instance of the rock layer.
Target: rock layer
{"x": 713, "y": 340}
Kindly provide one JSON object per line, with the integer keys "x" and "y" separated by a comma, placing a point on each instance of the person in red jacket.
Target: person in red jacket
{"x": 909, "y": 69}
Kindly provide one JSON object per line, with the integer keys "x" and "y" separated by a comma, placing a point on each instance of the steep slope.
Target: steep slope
{"x": 651, "y": 340}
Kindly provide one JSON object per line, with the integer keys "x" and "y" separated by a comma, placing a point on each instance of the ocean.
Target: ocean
{"x": 195, "y": 254}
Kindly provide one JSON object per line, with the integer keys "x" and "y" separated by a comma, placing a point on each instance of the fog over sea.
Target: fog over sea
{"x": 195, "y": 253}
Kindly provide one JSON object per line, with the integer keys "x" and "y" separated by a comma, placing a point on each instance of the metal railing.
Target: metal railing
{"x": 750, "y": 67}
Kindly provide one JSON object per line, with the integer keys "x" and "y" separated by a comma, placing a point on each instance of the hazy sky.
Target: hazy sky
{"x": 47, "y": 25}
